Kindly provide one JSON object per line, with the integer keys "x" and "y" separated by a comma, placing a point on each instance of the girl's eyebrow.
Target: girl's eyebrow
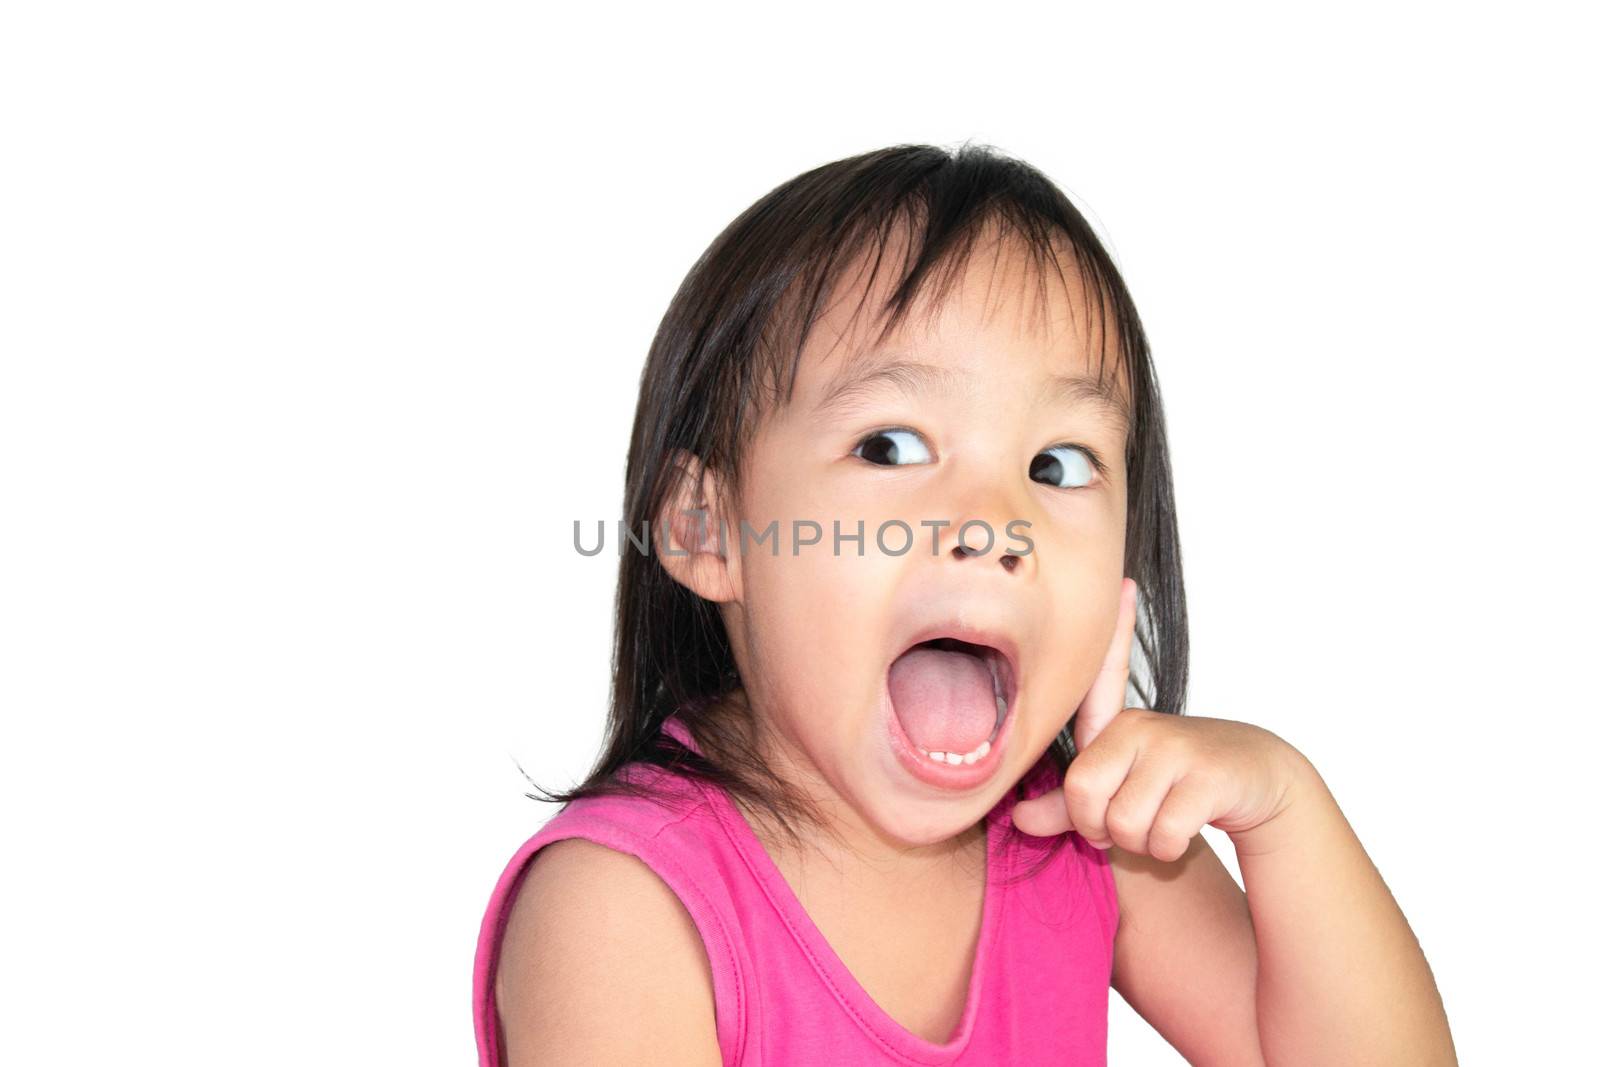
{"x": 1081, "y": 390}
{"x": 870, "y": 374}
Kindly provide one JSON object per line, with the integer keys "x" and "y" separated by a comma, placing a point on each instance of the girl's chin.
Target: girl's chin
{"x": 940, "y": 829}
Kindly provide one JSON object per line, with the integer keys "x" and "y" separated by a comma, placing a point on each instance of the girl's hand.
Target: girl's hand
{"x": 1148, "y": 781}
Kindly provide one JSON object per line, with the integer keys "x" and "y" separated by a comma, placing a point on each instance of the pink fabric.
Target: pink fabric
{"x": 1040, "y": 981}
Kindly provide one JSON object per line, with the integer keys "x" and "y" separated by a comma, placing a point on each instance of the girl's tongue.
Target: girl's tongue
{"x": 945, "y": 700}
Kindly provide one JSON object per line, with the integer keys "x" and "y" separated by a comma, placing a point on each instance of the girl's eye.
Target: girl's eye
{"x": 1065, "y": 466}
{"x": 890, "y": 448}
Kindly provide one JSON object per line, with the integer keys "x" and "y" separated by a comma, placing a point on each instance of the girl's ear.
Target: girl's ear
{"x": 693, "y": 531}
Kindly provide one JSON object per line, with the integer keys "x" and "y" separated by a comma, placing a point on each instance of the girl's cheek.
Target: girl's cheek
{"x": 1081, "y": 613}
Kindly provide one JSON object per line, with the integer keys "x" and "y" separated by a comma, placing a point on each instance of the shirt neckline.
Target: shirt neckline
{"x": 847, "y": 990}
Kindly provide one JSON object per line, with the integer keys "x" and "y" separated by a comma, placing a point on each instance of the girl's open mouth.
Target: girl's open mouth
{"x": 950, "y": 701}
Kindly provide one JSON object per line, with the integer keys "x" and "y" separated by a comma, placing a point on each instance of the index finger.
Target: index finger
{"x": 1106, "y": 697}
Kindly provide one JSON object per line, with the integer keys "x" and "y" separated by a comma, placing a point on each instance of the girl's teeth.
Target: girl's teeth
{"x": 954, "y": 757}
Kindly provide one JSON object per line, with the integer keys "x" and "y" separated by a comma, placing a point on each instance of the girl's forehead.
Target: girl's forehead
{"x": 999, "y": 308}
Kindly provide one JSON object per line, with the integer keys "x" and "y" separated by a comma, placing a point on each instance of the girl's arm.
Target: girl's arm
{"x": 1312, "y": 963}
{"x": 1337, "y": 975}
{"x": 1340, "y": 976}
{"x": 1185, "y": 954}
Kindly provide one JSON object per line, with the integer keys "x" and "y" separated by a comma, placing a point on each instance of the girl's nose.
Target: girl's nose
{"x": 992, "y": 525}
{"x": 1009, "y": 559}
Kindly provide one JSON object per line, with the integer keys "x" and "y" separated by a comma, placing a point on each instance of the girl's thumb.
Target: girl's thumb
{"x": 1044, "y": 815}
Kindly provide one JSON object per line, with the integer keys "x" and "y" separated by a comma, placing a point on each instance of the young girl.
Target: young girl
{"x": 898, "y": 513}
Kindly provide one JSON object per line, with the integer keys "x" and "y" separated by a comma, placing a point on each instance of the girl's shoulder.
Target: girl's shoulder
{"x": 620, "y": 879}
{"x": 599, "y": 961}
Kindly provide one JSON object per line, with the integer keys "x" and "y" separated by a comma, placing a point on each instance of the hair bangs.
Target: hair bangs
{"x": 933, "y": 230}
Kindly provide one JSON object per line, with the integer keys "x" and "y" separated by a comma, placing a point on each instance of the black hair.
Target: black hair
{"x": 729, "y": 344}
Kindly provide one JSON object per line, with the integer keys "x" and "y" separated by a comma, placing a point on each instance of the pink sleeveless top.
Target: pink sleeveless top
{"x": 1040, "y": 979}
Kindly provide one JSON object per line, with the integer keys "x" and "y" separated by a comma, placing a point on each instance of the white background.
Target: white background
{"x": 322, "y": 321}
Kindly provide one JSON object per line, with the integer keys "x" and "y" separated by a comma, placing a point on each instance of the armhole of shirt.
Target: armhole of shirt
{"x": 1104, "y": 883}
{"x": 727, "y": 980}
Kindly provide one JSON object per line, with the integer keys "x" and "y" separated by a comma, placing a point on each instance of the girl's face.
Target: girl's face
{"x": 978, "y": 415}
